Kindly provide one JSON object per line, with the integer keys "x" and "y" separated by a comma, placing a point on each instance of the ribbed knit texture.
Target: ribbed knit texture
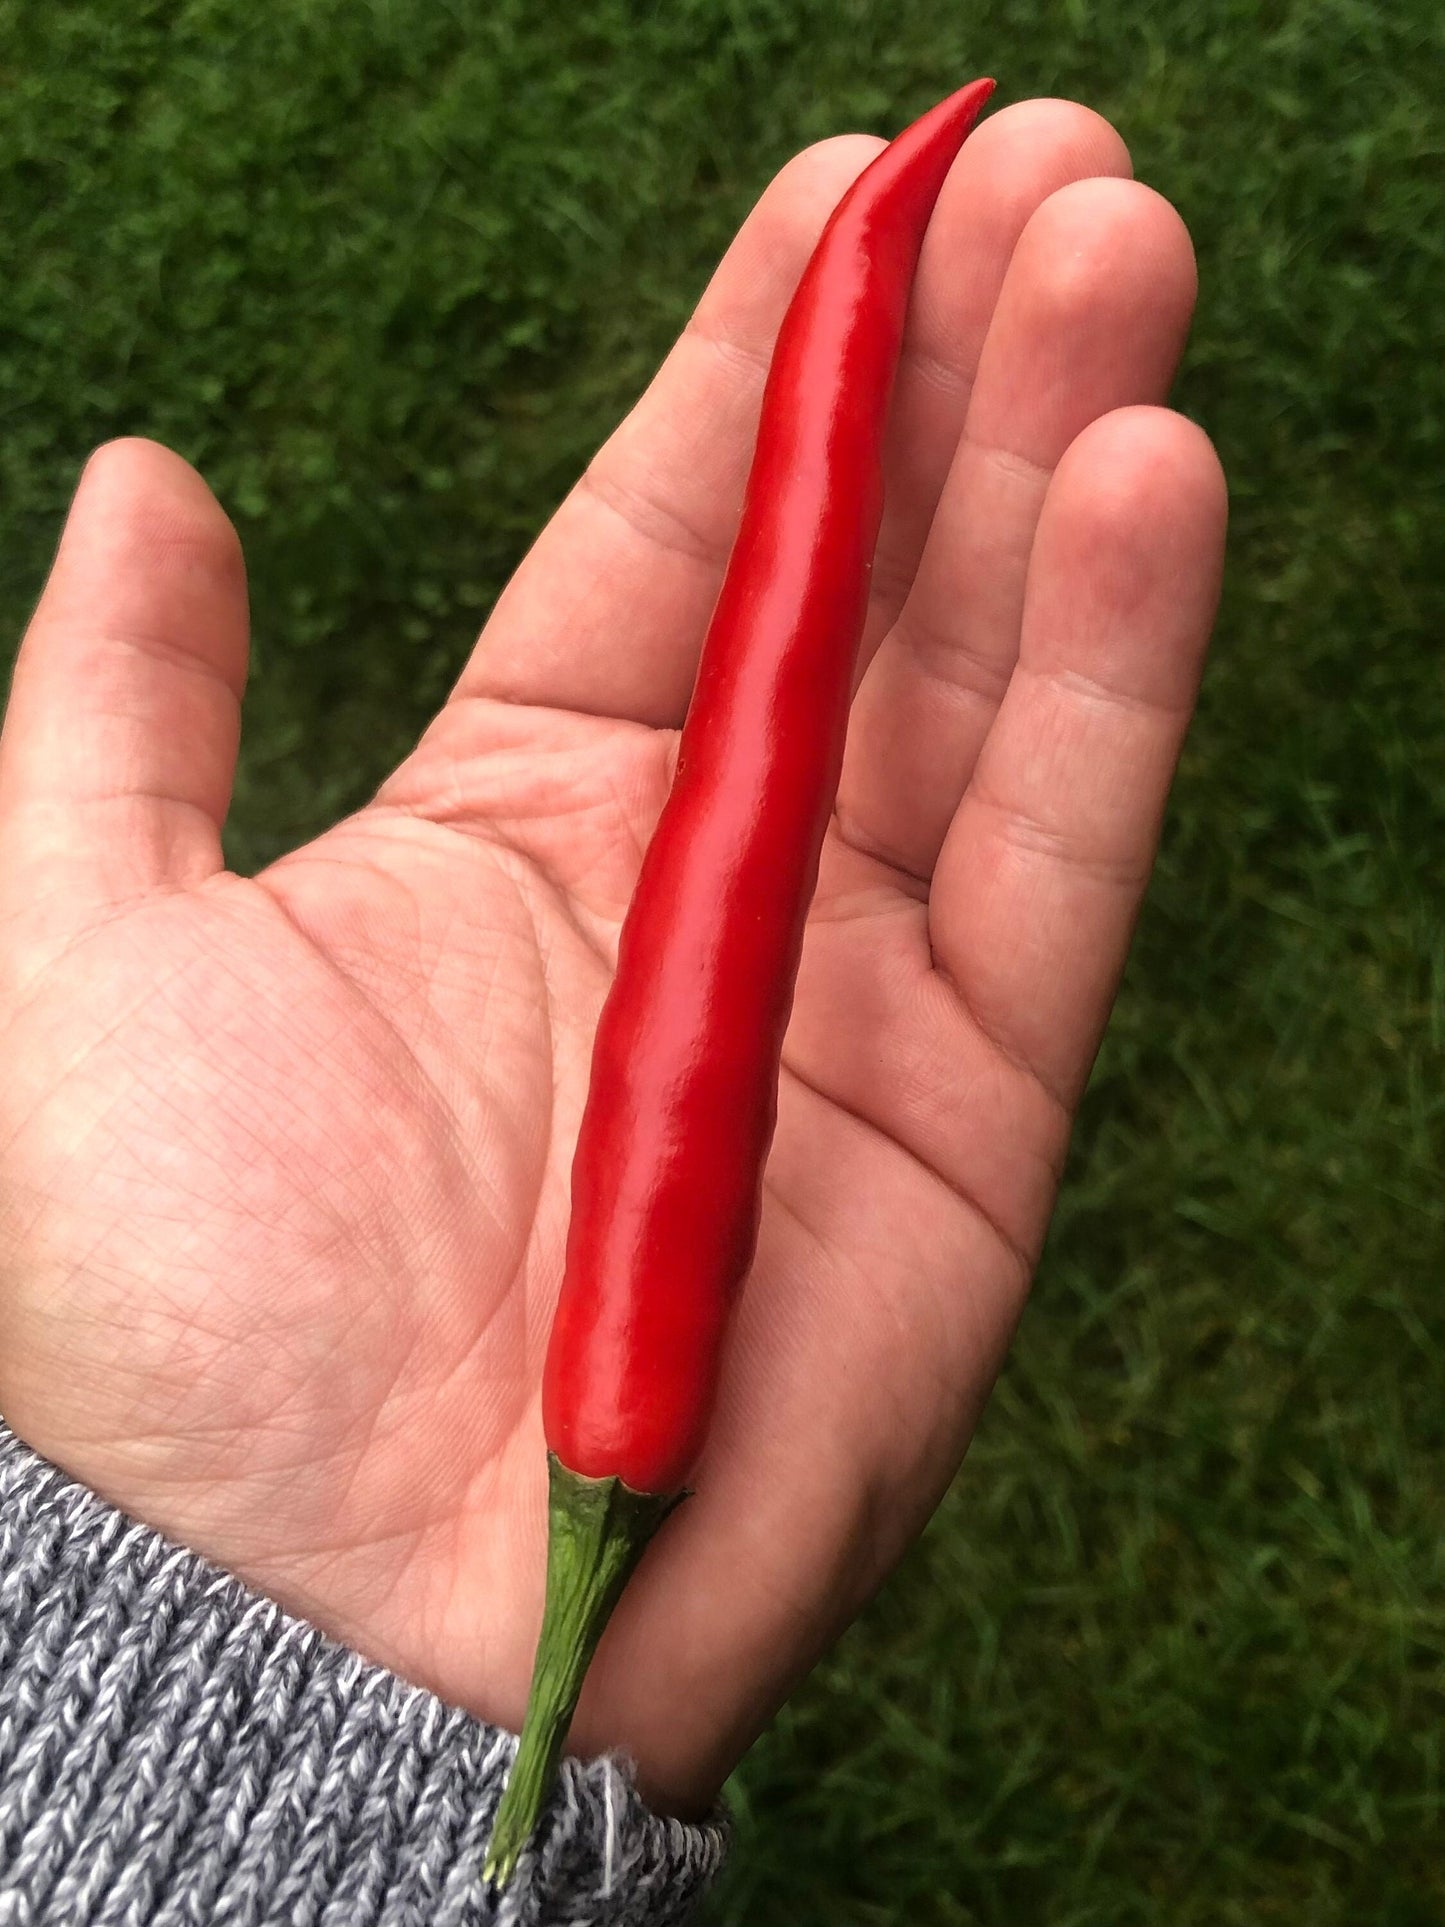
{"x": 178, "y": 1752}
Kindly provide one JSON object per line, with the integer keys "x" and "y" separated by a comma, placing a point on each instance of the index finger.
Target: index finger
{"x": 607, "y": 612}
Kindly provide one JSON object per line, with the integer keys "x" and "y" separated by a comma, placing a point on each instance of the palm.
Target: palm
{"x": 290, "y": 1155}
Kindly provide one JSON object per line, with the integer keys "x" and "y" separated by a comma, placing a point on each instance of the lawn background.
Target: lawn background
{"x": 1174, "y": 1649}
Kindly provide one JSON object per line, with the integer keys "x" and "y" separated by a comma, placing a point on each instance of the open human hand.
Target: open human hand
{"x": 284, "y": 1159}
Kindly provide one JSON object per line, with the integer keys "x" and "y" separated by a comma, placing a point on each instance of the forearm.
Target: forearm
{"x": 174, "y": 1748}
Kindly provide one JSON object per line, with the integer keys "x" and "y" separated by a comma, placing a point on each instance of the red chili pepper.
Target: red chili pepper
{"x": 683, "y": 1094}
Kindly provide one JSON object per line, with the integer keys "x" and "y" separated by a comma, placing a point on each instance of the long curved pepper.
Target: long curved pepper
{"x": 683, "y": 1095}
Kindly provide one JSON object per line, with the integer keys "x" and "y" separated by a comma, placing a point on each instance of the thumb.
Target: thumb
{"x": 119, "y": 743}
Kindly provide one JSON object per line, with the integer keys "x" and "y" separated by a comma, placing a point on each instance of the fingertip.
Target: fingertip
{"x": 795, "y": 205}
{"x": 825, "y": 167}
{"x": 1142, "y": 467}
{"x": 1130, "y": 554}
{"x": 1106, "y": 232}
{"x": 757, "y": 275}
{"x": 128, "y": 464}
{"x": 1014, "y": 134}
{"x": 142, "y": 496}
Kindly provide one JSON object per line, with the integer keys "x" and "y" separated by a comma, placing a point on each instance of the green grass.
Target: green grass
{"x": 1174, "y": 1649}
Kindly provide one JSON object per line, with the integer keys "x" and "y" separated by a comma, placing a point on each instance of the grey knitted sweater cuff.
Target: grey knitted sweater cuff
{"x": 175, "y": 1749}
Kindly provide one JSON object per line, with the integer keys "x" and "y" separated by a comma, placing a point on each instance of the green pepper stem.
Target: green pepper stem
{"x": 597, "y": 1530}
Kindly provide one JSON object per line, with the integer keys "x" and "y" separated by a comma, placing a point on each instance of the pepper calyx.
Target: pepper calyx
{"x": 597, "y": 1530}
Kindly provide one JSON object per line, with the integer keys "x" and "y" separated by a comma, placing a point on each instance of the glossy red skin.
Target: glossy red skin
{"x": 667, "y": 1178}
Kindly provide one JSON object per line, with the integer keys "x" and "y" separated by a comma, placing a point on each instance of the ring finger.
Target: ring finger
{"x": 1092, "y": 316}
